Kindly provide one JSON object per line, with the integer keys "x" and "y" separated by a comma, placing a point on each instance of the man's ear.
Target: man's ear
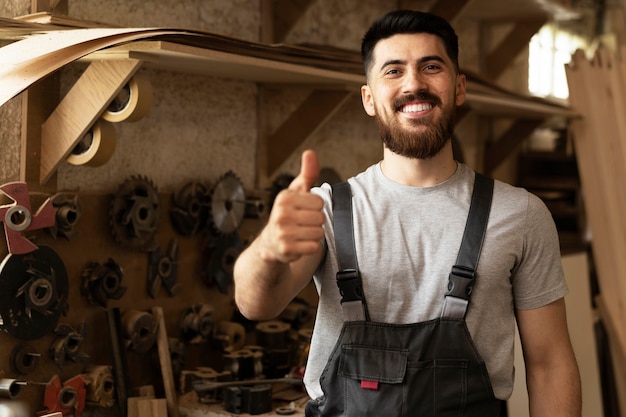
{"x": 460, "y": 89}
{"x": 368, "y": 100}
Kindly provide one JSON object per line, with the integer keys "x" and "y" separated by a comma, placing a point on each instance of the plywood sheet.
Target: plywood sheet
{"x": 597, "y": 89}
{"x": 580, "y": 320}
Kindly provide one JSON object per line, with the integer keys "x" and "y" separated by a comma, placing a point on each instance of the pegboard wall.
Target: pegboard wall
{"x": 203, "y": 280}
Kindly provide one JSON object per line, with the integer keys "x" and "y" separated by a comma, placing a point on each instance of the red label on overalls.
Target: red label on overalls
{"x": 369, "y": 384}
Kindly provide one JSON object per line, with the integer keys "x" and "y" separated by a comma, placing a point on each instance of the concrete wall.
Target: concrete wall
{"x": 11, "y": 112}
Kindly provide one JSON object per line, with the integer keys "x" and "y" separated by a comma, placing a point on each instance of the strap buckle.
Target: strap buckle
{"x": 350, "y": 286}
{"x": 461, "y": 282}
{"x": 352, "y": 296}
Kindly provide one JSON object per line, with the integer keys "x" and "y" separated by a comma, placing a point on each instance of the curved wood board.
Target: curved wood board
{"x": 24, "y": 62}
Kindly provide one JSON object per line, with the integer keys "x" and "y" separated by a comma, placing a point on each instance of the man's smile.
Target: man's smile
{"x": 418, "y": 104}
{"x": 416, "y": 107}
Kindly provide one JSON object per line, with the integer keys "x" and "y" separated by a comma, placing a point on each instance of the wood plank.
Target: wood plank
{"x": 79, "y": 109}
{"x": 37, "y": 104}
{"x": 132, "y": 407}
{"x": 151, "y": 407}
{"x": 614, "y": 83}
{"x": 601, "y": 163}
{"x": 56, "y": 6}
{"x": 589, "y": 164}
{"x": 147, "y": 407}
{"x": 496, "y": 104}
{"x": 505, "y": 53}
{"x": 316, "y": 109}
{"x": 611, "y": 156}
{"x": 184, "y": 58}
{"x": 166, "y": 363}
{"x": 24, "y": 62}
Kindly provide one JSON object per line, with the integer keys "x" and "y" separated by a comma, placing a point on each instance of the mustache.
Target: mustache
{"x": 419, "y": 96}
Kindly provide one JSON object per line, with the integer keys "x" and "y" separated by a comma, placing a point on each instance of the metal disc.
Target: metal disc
{"x": 135, "y": 214}
{"x": 228, "y": 204}
{"x": 33, "y": 293}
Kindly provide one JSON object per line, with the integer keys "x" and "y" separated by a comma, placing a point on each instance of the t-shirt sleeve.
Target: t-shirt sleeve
{"x": 325, "y": 192}
{"x": 538, "y": 278}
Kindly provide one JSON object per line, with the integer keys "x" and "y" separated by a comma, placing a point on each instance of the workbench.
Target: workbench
{"x": 190, "y": 406}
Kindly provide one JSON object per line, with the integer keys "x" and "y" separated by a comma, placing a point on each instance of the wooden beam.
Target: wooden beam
{"x": 278, "y": 17}
{"x": 314, "y": 111}
{"x": 448, "y": 9}
{"x": 508, "y": 142}
{"x": 80, "y": 108}
{"x": 266, "y": 30}
{"x": 37, "y": 104}
{"x": 52, "y": 6}
{"x": 517, "y": 39}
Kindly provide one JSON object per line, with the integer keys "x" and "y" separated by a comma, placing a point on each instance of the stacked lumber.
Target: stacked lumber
{"x": 598, "y": 92}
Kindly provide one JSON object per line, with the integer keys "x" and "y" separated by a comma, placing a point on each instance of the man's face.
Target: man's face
{"x": 413, "y": 90}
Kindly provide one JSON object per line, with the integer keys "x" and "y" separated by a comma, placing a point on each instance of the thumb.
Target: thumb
{"x": 309, "y": 171}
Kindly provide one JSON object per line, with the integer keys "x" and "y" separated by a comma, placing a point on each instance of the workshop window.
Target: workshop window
{"x": 549, "y": 50}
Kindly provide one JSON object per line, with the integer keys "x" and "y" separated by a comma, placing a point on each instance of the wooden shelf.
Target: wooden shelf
{"x": 481, "y": 97}
{"x": 205, "y": 61}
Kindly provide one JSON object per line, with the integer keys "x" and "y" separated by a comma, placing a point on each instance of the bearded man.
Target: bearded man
{"x": 409, "y": 322}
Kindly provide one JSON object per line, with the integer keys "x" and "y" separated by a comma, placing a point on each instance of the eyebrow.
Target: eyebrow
{"x": 419, "y": 61}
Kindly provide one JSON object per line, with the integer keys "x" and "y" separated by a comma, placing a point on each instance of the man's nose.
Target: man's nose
{"x": 413, "y": 82}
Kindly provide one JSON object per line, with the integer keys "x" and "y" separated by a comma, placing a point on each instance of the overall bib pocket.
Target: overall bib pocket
{"x": 385, "y": 380}
{"x": 438, "y": 387}
{"x": 373, "y": 380}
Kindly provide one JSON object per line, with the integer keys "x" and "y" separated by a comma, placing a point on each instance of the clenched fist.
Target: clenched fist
{"x": 295, "y": 224}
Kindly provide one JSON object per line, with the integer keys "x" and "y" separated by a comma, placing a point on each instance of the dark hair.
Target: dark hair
{"x": 409, "y": 21}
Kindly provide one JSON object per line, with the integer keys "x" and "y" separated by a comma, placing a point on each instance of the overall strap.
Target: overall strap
{"x": 348, "y": 276}
{"x": 463, "y": 274}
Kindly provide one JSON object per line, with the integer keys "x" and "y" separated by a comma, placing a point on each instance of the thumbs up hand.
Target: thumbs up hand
{"x": 309, "y": 171}
{"x": 295, "y": 224}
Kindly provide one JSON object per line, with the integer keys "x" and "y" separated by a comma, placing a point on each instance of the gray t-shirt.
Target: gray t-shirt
{"x": 407, "y": 239}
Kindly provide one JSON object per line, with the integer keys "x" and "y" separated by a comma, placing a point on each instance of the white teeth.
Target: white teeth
{"x": 412, "y": 108}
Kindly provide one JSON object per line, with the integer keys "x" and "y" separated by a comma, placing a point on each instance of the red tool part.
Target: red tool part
{"x": 17, "y": 217}
{"x": 68, "y": 398}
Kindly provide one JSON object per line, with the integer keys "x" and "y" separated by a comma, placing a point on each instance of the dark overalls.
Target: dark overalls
{"x": 430, "y": 368}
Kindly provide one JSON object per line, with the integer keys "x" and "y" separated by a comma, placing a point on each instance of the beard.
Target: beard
{"x": 423, "y": 144}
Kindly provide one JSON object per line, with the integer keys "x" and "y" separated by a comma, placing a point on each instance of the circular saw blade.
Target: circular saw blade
{"x": 228, "y": 204}
{"x": 33, "y": 293}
